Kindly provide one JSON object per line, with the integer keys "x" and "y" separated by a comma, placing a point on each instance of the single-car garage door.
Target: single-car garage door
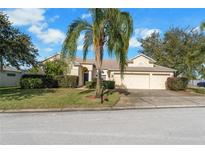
{"x": 158, "y": 81}
{"x": 136, "y": 81}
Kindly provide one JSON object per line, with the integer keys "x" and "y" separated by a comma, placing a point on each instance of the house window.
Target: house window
{"x": 11, "y": 74}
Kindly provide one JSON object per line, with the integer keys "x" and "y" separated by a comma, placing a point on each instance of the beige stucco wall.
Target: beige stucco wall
{"x": 9, "y": 80}
{"x": 88, "y": 66}
{"x": 140, "y": 61}
{"x": 74, "y": 70}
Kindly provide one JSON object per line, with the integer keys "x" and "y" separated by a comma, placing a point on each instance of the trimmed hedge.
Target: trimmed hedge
{"x": 31, "y": 81}
{"x": 177, "y": 83}
{"x": 107, "y": 84}
{"x": 90, "y": 84}
{"x": 50, "y": 82}
{"x": 66, "y": 81}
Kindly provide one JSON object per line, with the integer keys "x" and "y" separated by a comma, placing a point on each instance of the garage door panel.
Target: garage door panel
{"x": 158, "y": 81}
{"x": 136, "y": 81}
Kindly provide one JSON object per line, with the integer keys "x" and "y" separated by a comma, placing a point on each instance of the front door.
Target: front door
{"x": 85, "y": 77}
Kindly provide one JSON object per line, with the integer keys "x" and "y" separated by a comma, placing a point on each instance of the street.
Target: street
{"x": 142, "y": 126}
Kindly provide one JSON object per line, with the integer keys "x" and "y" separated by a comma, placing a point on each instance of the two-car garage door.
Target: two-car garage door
{"x": 143, "y": 81}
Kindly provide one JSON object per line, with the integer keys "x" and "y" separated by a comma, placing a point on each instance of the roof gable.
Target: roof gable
{"x": 142, "y": 55}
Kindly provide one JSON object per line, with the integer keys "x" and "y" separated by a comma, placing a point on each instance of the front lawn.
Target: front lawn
{"x": 200, "y": 90}
{"x": 15, "y": 98}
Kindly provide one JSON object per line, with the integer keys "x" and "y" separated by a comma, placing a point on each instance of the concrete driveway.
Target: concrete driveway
{"x": 161, "y": 98}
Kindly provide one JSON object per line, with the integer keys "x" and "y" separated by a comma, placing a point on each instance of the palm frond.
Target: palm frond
{"x": 74, "y": 30}
{"x": 120, "y": 28}
{"x": 88, "y": 40}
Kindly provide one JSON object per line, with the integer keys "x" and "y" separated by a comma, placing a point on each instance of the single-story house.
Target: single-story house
{"x": 141, "y": 72}
{"x": 10, "y": 76}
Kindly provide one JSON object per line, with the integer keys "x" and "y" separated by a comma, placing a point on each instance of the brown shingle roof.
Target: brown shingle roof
{"x": 156, "y": 68}
{"x": 106, "y": 64}
{"x": 111, "y": 64}
{"x": 114, "y": 65}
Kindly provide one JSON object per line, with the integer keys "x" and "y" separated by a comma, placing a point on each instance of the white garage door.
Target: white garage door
{"x": 158, "y": 81}
{"x": 136, "y": 81}
{"x": 142, "y": 81}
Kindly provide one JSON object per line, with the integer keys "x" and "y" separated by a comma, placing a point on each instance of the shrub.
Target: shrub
{"x": 90, "y": 84}
{"x": 37, "y": 81}
{"x": 31, "y": 83}
{"x": 54, "y": 68}
{"x": 177, "y": 83}
{"x": 50, "y": 82}
{"x": 109, "y": 84}
{"x": 106, "y": 84}
{"x": 66, "y": 81}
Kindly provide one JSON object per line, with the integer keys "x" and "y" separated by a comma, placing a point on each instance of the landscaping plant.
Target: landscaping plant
{"x": 177, "y": 83}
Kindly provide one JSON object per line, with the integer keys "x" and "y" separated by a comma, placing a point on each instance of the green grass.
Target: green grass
{"x": 200, "y": 90}
{"x": 15, "y": 98}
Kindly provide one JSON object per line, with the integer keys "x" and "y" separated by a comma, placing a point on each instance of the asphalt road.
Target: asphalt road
{"x": 148, "y": 126}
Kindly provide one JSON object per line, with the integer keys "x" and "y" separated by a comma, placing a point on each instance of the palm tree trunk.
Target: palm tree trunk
{"x": 98, "y": 66}
{"x": 98, "y": 48}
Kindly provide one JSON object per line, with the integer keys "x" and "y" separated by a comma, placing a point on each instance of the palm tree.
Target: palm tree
{"x": 109, "y": 28}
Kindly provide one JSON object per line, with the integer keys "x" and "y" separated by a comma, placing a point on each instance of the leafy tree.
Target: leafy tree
{"x": 109, "y": 27}
{"x": 16, "y": 48}
{"x": 54, "y": 68}
{"x": 202, "y": 27}
{"x": 181, "y": 49}
{"x": 34, "y": 70}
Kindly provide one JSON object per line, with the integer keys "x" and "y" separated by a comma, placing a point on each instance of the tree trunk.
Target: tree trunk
{"x": 1, "y": 64}
{"x": 98, "y": 48}
{"x": 99, "y": 80}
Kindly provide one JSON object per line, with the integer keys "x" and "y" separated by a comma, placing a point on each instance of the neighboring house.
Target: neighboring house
{"x": 10, "y": 76}
{"x": 141, "y": 72}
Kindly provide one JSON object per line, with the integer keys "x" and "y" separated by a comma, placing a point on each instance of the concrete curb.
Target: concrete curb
{"x": 98, "y": 109}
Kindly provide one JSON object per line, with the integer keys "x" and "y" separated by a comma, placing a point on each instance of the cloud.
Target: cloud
{"x": 54, "y": 18}
{"x": 23, "y": 17}
{"x": 85, "y": 16}
{"x": 141, "y": 33}
{"x": 134, "y": 43}
{"x": 47, "y": 35}
{"x": 80, "y": 47}
{"x": 145, "y": 32}
{"x": 48, "y": 49}
{"x": 37, "y": 24}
